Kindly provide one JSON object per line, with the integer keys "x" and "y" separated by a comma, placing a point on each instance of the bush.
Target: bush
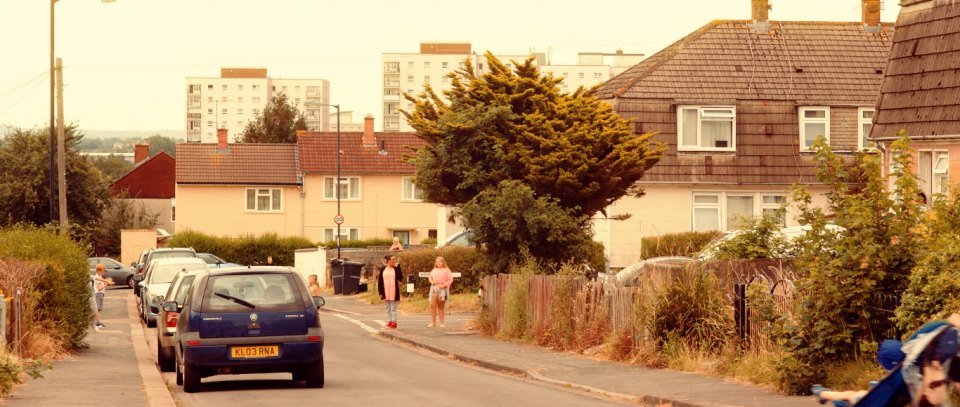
{"x": 430, "y": 241}
{"x": 245, "y": 249}
{"x": 676, "y": 244}
{"x": 760, "y": 239}
{"x": 465, "y": 260}
{"x": 59, "y": 300}
{"x": 10, "y": 372}
{"x": 934, "y": 284}
{"x": 359, "y": 243}
{"x": 692, "y": 310}
{"x": 516, "y": 315}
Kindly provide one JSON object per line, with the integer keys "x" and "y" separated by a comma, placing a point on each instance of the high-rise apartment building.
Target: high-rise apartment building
{"x": 240, "y": 94}
{"x": 408, "y": 72}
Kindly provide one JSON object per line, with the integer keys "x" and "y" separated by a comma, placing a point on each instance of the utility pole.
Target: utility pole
{"x": 61, "y": 153}
{"x": 53, "y": 137}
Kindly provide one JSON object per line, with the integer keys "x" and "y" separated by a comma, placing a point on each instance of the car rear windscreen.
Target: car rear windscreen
{"x": 238, "y": 292}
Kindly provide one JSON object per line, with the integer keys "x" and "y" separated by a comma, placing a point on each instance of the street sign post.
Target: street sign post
{"x": 338, "y": 219}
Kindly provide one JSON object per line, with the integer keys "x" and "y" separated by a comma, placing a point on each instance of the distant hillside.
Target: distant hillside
{"x": 178, "y": 135}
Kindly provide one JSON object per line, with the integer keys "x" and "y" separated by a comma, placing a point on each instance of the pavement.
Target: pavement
{"x": 116, "y": 369}
{"x": 611, "y": 379}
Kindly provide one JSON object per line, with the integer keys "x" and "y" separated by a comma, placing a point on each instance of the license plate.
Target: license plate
{"x": 254, "y": 352}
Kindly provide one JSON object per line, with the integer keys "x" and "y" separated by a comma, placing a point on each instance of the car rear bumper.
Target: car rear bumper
{"x": 215, "y": 359}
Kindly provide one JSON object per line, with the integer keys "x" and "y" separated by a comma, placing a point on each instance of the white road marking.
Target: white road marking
{"x": 362, "y": 325}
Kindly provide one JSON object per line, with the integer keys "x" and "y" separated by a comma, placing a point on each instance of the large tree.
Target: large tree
{"x": 24, "y": 179}
{"x": 571, "y": 150}
{"x": 160, "y": 143}
{"x": 111, "y": 167}
{"x": 277, "y": 123}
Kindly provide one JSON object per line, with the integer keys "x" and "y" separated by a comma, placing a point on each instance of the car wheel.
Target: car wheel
{"x": 191, "y": 379}
{"x": 131, "y": 282}
{"x": 179, "y": 374}
{"x": 166, "y": 363}
{"x": 150, "y": 323}
{"x": 314, "y": 374}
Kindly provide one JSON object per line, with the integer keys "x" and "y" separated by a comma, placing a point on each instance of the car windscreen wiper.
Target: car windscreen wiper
{"x": 236, "y": 300}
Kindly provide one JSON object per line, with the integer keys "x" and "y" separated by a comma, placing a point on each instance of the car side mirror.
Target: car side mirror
{"x": 170, "y": 306}
{"x": 133, "y": 264}
{"x": 138, "y": 278}
{"x": 319, "y": 301}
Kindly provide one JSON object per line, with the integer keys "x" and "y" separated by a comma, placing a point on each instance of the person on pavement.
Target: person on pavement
{"x": 388, "y": 285}
{"x": 99, "y": 290}
{"x": 396, "y": 246}
{"x": 314, "y": 287}
{"x": 441, "y": 278}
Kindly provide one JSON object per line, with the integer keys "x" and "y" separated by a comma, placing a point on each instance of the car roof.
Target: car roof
{"x": 252, "y": 270}
{"x": 177, "y": 260}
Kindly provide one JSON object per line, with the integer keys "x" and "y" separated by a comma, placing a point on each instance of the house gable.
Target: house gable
{"x": 154, "y": 178}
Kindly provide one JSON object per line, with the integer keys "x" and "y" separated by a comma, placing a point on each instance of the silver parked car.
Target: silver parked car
{"x": 156, "y": 281}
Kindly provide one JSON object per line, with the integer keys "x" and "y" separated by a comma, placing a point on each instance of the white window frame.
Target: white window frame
{"x": 409, "y": 191}
{"x": 861, "y": 121}
{"x": 720, "y": 205}
{"x": 937, "y": 185}
{"x": 707, "y": 113}
{"x": 350, "y": 195}
{"x": 345, "y": 233}
{"x": 803, "y": 120}
{"x": 259, "y": 192}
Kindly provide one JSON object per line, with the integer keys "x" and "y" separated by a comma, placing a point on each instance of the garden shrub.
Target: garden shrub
{"x": 245, "y": 249}
{"x": 516, "y": 317}
{"x": 676, "y": 244}
{"x": 759, "y": 239}
{"x": 59, "y": 301}
{"x": 691, "y": 310}
{"x": 561, "y": 331}
{"x": 465, "y": 260}
{"x": 11, "y": 372}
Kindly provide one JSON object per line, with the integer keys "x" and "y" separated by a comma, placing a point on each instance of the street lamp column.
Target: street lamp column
{"x": 339, "y": 216}
{"x": 53, "y": 135}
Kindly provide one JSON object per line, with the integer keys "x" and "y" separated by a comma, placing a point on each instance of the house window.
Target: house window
{"x": 224, "y": 87}
{"x": 409, "y": 78}
{"x": 264, "y": 199}
{"x": 864, "y": 123}
{"x": 256, "y": 112}
{"x": 426, "y": 64}
{"x": 296, "y": 88}
{"x": 210, "y": 123}
{"x": 814, "y": 122}
{"x": 224, "y": 111}
{"x": 240, "y": 99}
{"x": 223, "y": 99}
{"x": 345, "y": 234}
{"x": 443, "y": 64}
{"x": 410, "y": 190}
{"x": 210, "y": 99}
{"x": 210, "y": 111}
{"x": 349, "y": 188}
{"x": 256, "y": 99}
{"x": 934, "y": 173}
{"x": 706, "y": 128}
{"x": 580, "y": 75}
{"x": 404, "y": 236}
{"x": 706, "y": 212}
{"x": 733, "y": 210}
{"x": 426, "y": 79}
{"x": 254, "y": 87}
{"x": 210, "y": 87}
{"x": 409, "y": 64}
{"x": 173, "y": 209}
{"x": 239, "y": 111}
{"x": 941, "y": 172}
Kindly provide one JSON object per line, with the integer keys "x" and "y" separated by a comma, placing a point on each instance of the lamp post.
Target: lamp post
{"x": 339, "y": 218}
{"x": 53, "y": 133}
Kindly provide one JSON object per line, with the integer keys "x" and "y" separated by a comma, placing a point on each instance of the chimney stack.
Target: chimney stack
{"x": 368, "y": 139}
{"x": 760, "y": 14}
{"x": 140, "y": 152}
{"x": 871, "y": 15}
{"x": 221, "y": 139}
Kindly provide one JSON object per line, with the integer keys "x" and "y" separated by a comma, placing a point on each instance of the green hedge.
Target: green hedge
{"x": 676, "y": 244}
{"x": 64, "y": 286}
{"x": 245, "y": 249}
{"x": 465, "y": 260}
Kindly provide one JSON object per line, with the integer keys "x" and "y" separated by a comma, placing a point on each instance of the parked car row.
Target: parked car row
{"x": 212, "y": 319}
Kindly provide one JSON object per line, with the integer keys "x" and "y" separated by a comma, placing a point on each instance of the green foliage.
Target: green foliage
{"x": 465, "y": 260}
{"x": 676, "y": 244}
{"x": 511, "y": 219}
{"x": 561, "y": 332}
{"x": 111, "y": 167}
{"x": 160, "y": 143}
{"x": 277, "y": 123}
{"x": 119, "y": 214}
{"x": 843, "y": 270}
{"x": 24, "y": 179}
{"x": 245, "y": 249}
{"x": 429, "y": 241}
{"x": 63, "y": 285}
{"x": 10, "y": 372}
{"x": 376, "y": 241}
{"x": 512, "y": 138}
{"x": 516, "y": 316}
{"x": 691, "y": 309}
{"x": 759, "y": 239}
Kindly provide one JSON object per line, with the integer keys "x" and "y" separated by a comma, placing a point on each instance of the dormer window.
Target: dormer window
{"x": 706, "y": 128}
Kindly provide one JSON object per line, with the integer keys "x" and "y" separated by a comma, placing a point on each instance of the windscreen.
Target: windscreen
{"x": 238, "y": 292}
{"x": 166, "y": 273}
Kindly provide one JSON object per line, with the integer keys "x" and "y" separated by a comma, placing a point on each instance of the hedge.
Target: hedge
{"x": 246, "y": 249}
{"x": 676, "y": 244}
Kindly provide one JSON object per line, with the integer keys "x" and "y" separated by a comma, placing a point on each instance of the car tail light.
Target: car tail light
{"x": 172, "y": 319}
{"x": 315, "y": 338}
{"x": 193, "y": 343}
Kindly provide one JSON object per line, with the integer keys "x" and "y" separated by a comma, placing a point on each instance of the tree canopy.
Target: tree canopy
{"x": 160, "y": 143}
{"x": 24, "y": 179}
{"x": 515, "y": 129}
{"x": 277, "y": 123}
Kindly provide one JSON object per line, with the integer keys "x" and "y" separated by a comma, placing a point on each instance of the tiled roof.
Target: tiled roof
{"x": 153, "y": 178}
{"x": 812, "y": 63}
{"x": 317, "y": 153}
{"x": 250, "y": 164}
{"x": 921, "y": 89}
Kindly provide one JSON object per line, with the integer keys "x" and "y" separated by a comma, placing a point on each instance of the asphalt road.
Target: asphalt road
{"x": 362, "y": 369}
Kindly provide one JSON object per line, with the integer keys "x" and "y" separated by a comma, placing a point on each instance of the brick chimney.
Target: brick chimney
{"x": 368, "y": 139}
{"x": 871, "y": 15}
{"x": 760, "y": 14}
{"x": 221, "y": 139}
{"x": 140, "y": 152}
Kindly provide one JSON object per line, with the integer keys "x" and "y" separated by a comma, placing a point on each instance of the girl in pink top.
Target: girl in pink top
{"x": 440, "y": 281}
{"x": 388, "y": 285}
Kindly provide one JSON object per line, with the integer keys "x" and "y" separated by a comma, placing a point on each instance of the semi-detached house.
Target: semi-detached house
{"x": 739, "y": 104}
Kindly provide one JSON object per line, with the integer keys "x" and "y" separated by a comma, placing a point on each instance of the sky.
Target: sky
{"x": 125, "y": 62}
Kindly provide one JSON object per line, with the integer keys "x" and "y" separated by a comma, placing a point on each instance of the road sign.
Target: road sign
{"x": 338, "y": 219}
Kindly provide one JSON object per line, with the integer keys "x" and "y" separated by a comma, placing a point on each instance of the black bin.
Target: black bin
{"x": 346, "y": 276}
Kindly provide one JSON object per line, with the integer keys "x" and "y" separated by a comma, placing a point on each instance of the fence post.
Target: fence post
{"x": 3, "y": 321}
{"x": 740, "y": 313}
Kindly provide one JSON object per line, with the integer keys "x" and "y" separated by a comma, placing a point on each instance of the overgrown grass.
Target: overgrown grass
{"x": 455, "y": 303}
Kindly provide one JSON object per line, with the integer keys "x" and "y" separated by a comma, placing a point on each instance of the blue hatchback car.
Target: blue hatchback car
{"x": 248, "y": 320}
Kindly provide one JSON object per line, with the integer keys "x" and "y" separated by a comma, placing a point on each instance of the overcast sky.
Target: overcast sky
{"x": 125, "y": 62}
